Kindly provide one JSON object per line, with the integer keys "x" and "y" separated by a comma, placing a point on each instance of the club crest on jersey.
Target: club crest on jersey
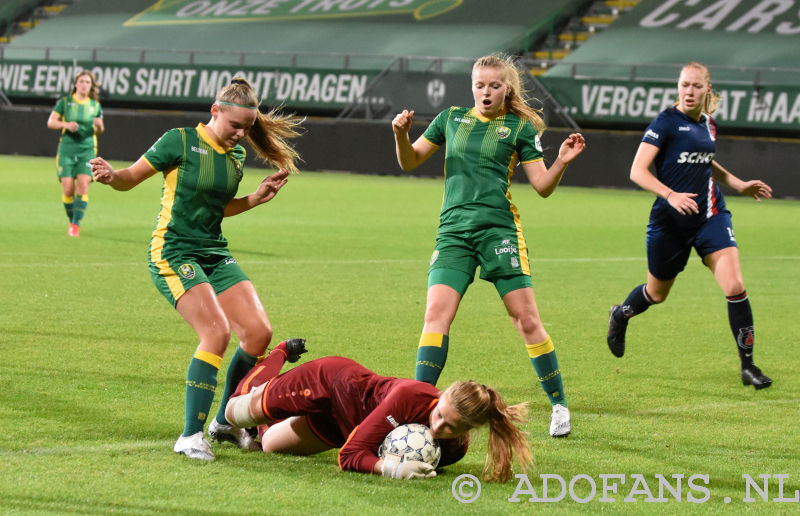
{"x": 503, "y": 132}
{"x": 187, "y": 270}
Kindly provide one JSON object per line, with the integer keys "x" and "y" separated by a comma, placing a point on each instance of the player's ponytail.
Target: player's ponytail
{"x": 479, "y": 405}
{"x": 516, "y": 100}
{"x": 270, "y": 133}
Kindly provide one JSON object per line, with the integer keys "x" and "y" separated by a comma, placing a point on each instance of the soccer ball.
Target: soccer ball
{"x": 413, "y": 441}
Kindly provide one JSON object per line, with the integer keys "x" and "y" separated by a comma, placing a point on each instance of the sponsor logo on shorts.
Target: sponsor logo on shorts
{"x": 434, "y": 256}
{"x": 199, "y": 150}
{"x": 392, "y": 421}
{"x": 506, "y": 247}
{"x": 186, "y": 270}
{"x": 230, "y": 260}
{"x": 503, "y": 132}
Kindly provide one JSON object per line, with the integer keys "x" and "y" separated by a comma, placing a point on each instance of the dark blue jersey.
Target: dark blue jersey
{"x": 683, "y": 163}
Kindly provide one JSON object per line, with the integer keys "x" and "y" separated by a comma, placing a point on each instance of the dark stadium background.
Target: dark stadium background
{"x": 601, "y": 66}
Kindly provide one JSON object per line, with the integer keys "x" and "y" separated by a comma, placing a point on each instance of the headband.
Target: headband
{"x": 235, "y": 104}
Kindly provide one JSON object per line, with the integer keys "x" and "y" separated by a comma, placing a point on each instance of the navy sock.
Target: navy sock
{"x": 740, "y": 317}
{"x": 637, "y": 302}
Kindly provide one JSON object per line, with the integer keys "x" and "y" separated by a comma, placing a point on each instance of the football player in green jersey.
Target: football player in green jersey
{"x": 189, "y": 258}
{"x": 479, "y": 225}
{"x": 79, "y": 117}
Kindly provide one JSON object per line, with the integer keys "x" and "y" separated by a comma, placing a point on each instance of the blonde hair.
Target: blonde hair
{"x": 478, "y": 405}
{"x": 270, "y": 133}
{"x": 93, "y": 91}
{"x": 516, "y": 100}
{"x": 711, "y": 100}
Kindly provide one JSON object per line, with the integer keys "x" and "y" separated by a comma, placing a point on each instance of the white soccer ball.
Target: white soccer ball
{"x": 413, "y": 441}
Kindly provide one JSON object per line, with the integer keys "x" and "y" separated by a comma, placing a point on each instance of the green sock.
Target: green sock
{"x": 543, "y": 358}
{"x": 81, "y": 201}
{"x": 431, "y": 356}
{"x": 241, "y": 363}
{"x": 69, "y": 205}
{"x": 201, "y": 382}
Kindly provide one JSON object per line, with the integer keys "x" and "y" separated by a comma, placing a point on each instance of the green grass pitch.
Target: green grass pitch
{"x": 94, "y": 359}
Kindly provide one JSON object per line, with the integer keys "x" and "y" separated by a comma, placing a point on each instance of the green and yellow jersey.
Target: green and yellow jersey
{"x": 70, "y": 109}
{"x": 480, "y": 158}
{"x": 200, "y": 179}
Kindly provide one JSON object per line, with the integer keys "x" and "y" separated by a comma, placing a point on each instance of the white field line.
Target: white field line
{"x": 90, "y": 449}
{"x": 321, "y": 261}
{"x": 691, "y": 409}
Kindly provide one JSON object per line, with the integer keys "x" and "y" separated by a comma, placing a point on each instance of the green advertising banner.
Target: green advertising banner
{"x": 186, "y": 84}
{"x": 209, "y": 11}
{"x": 606, "y": 100}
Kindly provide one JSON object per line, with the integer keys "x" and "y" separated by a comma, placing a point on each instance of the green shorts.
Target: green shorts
{"x": 501, "y": 254}
{"x": 72, "y": 164}
{"x": 177, "y": 273}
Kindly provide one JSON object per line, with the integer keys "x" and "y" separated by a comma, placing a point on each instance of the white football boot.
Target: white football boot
{"x": 194, "y": 446}
{"x": 559, "y": 422}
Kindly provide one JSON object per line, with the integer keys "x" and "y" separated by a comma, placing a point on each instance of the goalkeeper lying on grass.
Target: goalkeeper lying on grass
{"x": 335, "y": 402}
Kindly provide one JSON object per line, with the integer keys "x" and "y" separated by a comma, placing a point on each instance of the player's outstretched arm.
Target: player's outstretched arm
{"x": 755, "y": 188}
{"x": 264, "y": 193}
{"x": 123, "y": 179}
{"x": 545, "y": 180}
{"x": 409, "y": 155}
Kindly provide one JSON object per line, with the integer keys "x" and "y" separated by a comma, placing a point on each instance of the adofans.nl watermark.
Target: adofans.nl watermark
{"x": 633, "y": 487}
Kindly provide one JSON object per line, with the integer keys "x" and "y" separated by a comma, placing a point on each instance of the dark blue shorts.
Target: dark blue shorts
{"x": 668, "y": 247}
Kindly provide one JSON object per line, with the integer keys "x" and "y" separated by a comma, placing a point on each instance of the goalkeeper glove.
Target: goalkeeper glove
{"x": 395, "y": 467}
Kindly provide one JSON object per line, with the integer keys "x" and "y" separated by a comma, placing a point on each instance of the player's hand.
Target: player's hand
{"x": 684, "y": 203}
{"x": 71, "y": 126}
{"x": 571, "y": 147}
{"x": 101, "y": 170}
{"x": 271, "y": 184}
{"x": 407, "y": 470}
{"x": 757, "y": 189}
{"x": 401, "y": 123}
